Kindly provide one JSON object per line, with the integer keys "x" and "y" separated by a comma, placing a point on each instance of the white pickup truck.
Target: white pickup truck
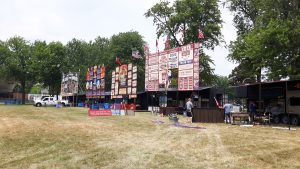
{"x": 49, "y": 101}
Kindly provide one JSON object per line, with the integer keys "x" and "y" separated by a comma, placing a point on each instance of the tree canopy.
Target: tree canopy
{"x": 268, "y": 38}
{"x": 16, "y": 61}
{"x": 43, "y": 63}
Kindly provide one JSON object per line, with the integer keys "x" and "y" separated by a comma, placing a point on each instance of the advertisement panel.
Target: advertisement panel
{"x": 95, "y": 81}
{"x": 69, "y": 84}
{"x": 175, "y": 68}
{"x": 185, "y": 55}
{"x": 122, "y": 80}
{"x": 123, "y": 75}
{"x": 173, "y": 59}
{"x": 186, "y": 73}
{"x": 196, "y": 66}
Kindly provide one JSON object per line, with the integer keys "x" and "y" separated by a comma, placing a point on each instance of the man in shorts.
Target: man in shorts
{"x": 189, "y": 114}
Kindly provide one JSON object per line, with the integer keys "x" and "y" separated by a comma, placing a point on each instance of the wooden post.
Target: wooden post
{"x": 285, "y": 106}
{"x": 177, "y": 98}
{"x": 76, "y": 100}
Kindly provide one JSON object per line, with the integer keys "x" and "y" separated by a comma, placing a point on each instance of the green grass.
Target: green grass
{"x": 32, "y": 137}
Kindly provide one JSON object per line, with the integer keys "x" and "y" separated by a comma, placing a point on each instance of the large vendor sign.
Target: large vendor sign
{"x": 95, "y": 81}
{"x": 69, "y": 84}
{"x": 124, "y": 81}
{"x": 179, "y": 65}
{"x": 186, "y": 68}
{"x": 153, "y": 70}
{"x": 163, "y": 69}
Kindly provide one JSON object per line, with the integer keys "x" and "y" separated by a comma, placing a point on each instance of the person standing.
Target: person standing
{"x": 252, "y": 109}
{"x": 189, "y": 114}
{"x": 227, "y": 110}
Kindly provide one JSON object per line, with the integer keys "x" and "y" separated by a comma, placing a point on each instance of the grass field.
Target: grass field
{"x": 32, "y": 137}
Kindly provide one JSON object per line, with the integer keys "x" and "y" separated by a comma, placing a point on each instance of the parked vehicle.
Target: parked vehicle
{"x": 292, "y": 111}
{"x": 49, "y": 101}
{"x": 290, "y": 114}
{"x": 279, "y": 101}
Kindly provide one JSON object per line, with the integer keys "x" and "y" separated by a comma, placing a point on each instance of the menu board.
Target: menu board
{"x": 69, "y": 84}
{"x": 95, "y": 81}
{"x": 179, "y": 65}
{"x": 124, "y": 81}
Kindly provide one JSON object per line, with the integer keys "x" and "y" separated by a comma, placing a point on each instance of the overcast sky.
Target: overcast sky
{"x": 62, "y": 20}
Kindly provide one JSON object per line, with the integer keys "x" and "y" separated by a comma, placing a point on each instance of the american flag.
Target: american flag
{"x": 118, "y": 61}
{"x": 136, "y": 54}
{"x": 200, "y": 35}
{"x": 217, "y": 103}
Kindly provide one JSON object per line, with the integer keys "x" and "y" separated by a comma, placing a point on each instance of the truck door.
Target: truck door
{"x": 45, "y": 101}
{"x": 51, "y": 101}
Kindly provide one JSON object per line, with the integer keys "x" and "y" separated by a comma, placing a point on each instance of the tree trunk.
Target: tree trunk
{"x": 258, "y": 76}
{"x": 23, "y": 91}
{"x": 57, "y": 93}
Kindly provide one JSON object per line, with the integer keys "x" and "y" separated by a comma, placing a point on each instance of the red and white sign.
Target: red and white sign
{"x": 185, "y": 55}
{"x": 99, "y": 112}
{"x": 185, "y": 73}
{"x": 186, "y": 66}
{"x": 185, "y": 58}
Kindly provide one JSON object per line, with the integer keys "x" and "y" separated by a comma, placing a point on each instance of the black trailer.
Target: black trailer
{"x": 279, "y": 98}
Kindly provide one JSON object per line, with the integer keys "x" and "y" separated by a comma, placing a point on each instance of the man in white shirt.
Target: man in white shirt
{"x": 189, "y": 106}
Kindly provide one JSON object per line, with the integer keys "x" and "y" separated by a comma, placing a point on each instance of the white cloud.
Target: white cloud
{"x": 62, "y": 20}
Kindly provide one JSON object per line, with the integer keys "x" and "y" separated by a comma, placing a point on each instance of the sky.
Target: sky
{"x": 63, "y": 20}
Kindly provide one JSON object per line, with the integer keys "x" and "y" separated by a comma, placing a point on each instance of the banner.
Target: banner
{"x": 124, "y": 81}
{"x": 175, "y": 68}
{"x": 104, "y": 112}
{"x": 173, "y": 59}
{"x": 123, "y": 76}
{"x": 163, "y": 69}
{"x": 69, "y": 84}
{"x": 153, "y": 72}
{"x": 95, "y": 82}
{"x": 196, "y": 68}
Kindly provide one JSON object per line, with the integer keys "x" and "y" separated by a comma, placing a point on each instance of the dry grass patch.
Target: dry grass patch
{"x": 33, "y": 137}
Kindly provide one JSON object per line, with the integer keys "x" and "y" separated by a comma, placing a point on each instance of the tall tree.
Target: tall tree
{"x": 17, "y": 61}
{"x": 100, "y": 50}
{"x": 55, "y": 67}
{"x": 268, "y": 37}
{"x": 121, "y": 45}
{"x": 188, "y": 17}
{"x": 4, "y": 52}
{"x": 50, "y": 63}
{"x": 245, "y": 19}
{"x": 79, "y": 58}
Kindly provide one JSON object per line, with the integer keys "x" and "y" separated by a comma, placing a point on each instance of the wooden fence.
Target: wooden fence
{"x": 208, "y": 115}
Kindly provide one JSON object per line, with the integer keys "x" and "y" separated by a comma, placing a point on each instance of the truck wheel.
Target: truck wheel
{"x": 295, "y": 120}
{"x": 63, "y": 104}
{"x": 38, "y": 105}
{"x": 285, "y": 120}
{"x": 276, "y": 119}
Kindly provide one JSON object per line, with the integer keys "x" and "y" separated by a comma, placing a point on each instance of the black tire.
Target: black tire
{"x": 63, "y": 104}
{"x": 38, "y": 104}
{"x": 295, "y": 120}
{"x": 285, "y": 120}
{"x": 276, "y": 119}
